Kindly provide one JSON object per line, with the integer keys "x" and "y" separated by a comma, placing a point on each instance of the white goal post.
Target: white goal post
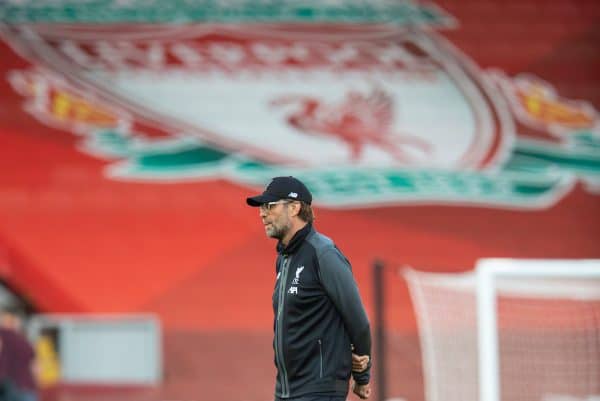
{"x": 489, "y": 272}
{"x": 511, "y": 330}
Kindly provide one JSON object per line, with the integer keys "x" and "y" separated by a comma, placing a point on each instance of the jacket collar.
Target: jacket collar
{"x": 295, "y": 242}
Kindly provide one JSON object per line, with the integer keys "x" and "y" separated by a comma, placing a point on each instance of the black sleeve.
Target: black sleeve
{"x": 338, "y": 281}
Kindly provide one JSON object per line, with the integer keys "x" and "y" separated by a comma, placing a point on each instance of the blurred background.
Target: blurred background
{"x": 432, "y": 134}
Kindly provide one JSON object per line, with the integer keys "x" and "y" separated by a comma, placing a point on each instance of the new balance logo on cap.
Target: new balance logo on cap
{"x": 293, "y": 195}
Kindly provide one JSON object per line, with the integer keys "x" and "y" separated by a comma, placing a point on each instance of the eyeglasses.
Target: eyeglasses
{"x": 267, "y": 207}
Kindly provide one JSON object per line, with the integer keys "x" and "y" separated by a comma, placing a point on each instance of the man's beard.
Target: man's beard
{"x": 277, "y": 232}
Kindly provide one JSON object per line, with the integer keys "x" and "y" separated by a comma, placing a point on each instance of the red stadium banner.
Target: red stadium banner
{"x": 129, "y": 147}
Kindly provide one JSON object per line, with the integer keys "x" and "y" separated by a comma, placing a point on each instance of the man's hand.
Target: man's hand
{"x": 361, "y": 390}
{"x": 359, "y": 362}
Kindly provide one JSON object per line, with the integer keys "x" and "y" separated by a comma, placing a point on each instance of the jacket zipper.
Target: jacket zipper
{"x": 285, "y": 388}
{"x": 321, "y": 358}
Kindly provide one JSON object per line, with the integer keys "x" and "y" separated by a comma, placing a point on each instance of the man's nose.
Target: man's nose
{"x": 262, "y": 212}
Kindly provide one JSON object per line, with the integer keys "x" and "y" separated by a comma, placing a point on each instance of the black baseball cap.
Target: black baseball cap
{"x": 282, "y": 188}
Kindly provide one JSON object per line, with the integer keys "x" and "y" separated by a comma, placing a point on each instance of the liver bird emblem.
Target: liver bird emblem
{"x": 357, "y": 120}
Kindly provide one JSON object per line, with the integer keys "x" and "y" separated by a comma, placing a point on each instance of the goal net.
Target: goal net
{"x": 513, "y": 330}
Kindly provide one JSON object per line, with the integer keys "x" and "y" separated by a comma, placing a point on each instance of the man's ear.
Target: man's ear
{"x": 296, "y": 208}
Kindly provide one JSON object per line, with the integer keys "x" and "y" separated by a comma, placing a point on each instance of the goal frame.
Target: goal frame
{"x": 488, "y": 271}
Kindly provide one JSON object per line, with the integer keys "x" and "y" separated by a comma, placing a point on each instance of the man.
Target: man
{"x": 17, "y": 358}
{"x": 319, "y": 315}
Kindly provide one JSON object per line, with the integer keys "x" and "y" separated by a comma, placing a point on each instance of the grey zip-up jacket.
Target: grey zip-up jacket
{"x": 318, "y": 317}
